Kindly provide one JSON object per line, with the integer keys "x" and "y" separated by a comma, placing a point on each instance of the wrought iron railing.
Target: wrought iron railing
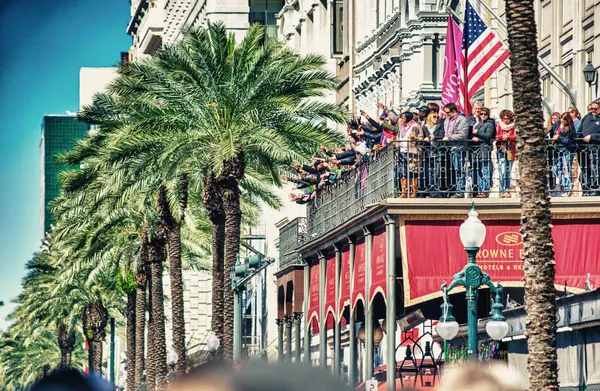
{"x": 439, "y": 170}
{"x": 372, "y": 182}
{"x": 291, "y": 236}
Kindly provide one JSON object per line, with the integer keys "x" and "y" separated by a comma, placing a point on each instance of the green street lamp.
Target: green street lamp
{"x": 471, "y": 277}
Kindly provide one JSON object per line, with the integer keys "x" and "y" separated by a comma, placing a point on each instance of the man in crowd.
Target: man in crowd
{"x": 456, "y": 130}
{"x": 589, "y": 131}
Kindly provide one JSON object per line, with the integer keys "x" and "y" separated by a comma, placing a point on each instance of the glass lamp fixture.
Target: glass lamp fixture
{"x": 472, "y": 230}
{"x": 497, "y": 328}
{"x": 172, "y": 357}
{"x": 212, "y": 343}
{"x": 589, "y": 73}
{"x": 447, "y": 328}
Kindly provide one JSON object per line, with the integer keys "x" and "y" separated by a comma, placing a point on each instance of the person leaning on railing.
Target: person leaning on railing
{"x": 551, "y": 126}
{"x": 506, "y": 143}
{"x": 564, "y": 153}
{"x": 456, "y": 131}
{"x": 484, "y": 134}
{"x": 408, "y": 132}
{"x": 589, "y": 131}
{"x": 433, "y": 133}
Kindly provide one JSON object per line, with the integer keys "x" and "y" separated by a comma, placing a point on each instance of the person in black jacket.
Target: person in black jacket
{"x": 484, "y": 133}
{"x": 565, "y": 149}
{"x": 589, "y": 131}
{"x": 436, "y": 183}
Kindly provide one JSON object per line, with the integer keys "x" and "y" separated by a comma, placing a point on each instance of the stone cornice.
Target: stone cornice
{"x": 137, "y": 17}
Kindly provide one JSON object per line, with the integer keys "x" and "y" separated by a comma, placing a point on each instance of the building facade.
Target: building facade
{"x": 93, "y": 81}
{"x": 197, "y": 308}
{"x": 393, "y": 50}
{"x": 59, "y": 134}
{"x": 157, "y": 22}
{"x": 349, "y": 269}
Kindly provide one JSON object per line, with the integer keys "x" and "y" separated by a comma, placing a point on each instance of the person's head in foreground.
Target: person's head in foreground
{"x": 258, "y": 376}
{"x": 474, "y": 377}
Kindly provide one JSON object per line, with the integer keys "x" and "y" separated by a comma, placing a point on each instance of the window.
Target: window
{"x": 338, "y": 27}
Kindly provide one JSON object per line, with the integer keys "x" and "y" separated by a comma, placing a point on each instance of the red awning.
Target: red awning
{"x": 344, "y": 282}
{"x": 314, "y": 303}
{"x": 378, "y": 266}
{"x": 575, "y": 253}
{"x": 359, "y": 280}
{"x": 330, "y": 292}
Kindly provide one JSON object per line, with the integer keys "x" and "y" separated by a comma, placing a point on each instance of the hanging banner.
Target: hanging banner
{"x": 344, "y": 282}
{"x": 314, "y": 302}
{"x": 452, "y": 58}
{"x": 330, "y": 290}
{"x": 359, "y": 276}
{"x": 378, "y": 266}
{"x": 432, "y": 253}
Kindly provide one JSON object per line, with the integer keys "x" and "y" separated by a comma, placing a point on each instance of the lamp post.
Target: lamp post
{"x": 471, "y": 277}
{"x": 212, "y": 344}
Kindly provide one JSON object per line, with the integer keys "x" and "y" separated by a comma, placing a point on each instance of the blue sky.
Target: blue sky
{"x": 43, "y": 44}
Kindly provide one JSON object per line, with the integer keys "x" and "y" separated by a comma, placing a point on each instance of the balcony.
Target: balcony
{"x": 439, "y": 172}
{"x": 291, "y": 236}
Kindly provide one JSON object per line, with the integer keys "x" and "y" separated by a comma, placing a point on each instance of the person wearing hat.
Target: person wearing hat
{"x": 423, "y": 114}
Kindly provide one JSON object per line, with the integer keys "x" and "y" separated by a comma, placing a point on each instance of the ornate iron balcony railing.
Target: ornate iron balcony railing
{"x": 439, "y": 170}
{"x": 291, "y": 236}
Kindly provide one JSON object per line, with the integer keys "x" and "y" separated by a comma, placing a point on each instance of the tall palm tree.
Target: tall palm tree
{"x": 536, "y": 219}
{"x": 227, "y": 111}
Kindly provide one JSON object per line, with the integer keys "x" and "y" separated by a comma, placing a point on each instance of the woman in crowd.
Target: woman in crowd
{"x": 484, "y": 134}
{"x": 575, "y": 116}
{"x": 408, "y": 133}
{"x": 506, "y": 143}
{"x": 433, "y": 132}
{"x": 552, "y": 123}
{"x": 565, "y": 151}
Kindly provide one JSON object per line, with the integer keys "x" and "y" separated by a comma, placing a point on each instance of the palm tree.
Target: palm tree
{"x": 22, "y": 362}
{"x": 536, "y": 218}
{"x": 227, "y": 111}
{"x": 31, "y": 317}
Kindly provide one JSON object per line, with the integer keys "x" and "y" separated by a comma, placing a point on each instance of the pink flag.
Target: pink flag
{"x": 452, "y": 58}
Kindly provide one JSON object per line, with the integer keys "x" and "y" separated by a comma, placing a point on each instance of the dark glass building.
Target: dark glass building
{"x": 59, "y": 133}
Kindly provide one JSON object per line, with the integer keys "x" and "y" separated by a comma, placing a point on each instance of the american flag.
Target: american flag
{"x": 482, "y": 54}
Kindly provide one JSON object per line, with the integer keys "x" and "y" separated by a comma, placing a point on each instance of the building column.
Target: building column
{"x": 369, "y": 345}
{"x": 390, "y": 231}
{"x": 307, "y": 340}
{"x": 288, "y": 338}
{"x": 353, "y": 357}
{"x": 337, "y": 328}
{"x": 279, "y": 339}
{"x": 323, "y": 321}
{"x": 297, "y": 349}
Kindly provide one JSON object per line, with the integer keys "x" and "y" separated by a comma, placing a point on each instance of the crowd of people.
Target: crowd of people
{"x": 443, "y": 153}
{"x": 222, "y": 376}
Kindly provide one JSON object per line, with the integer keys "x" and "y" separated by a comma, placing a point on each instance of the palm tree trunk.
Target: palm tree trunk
{"x": 233, "y": 220}
{"x": 218, "y": 260}
{"x": 156, "y": 256}
{"x": 538, "y": 253}
{"x": 95, "y": 319}
{"x": 141, "y": 278}
{"x": 66, "y": 343}
{"x": 173, "y": 236}
{"x": 140, "y": 326}
{"x": 151, "y": 351}
{"x": 131, "y": 333}
{"x": 214, "y": 207}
